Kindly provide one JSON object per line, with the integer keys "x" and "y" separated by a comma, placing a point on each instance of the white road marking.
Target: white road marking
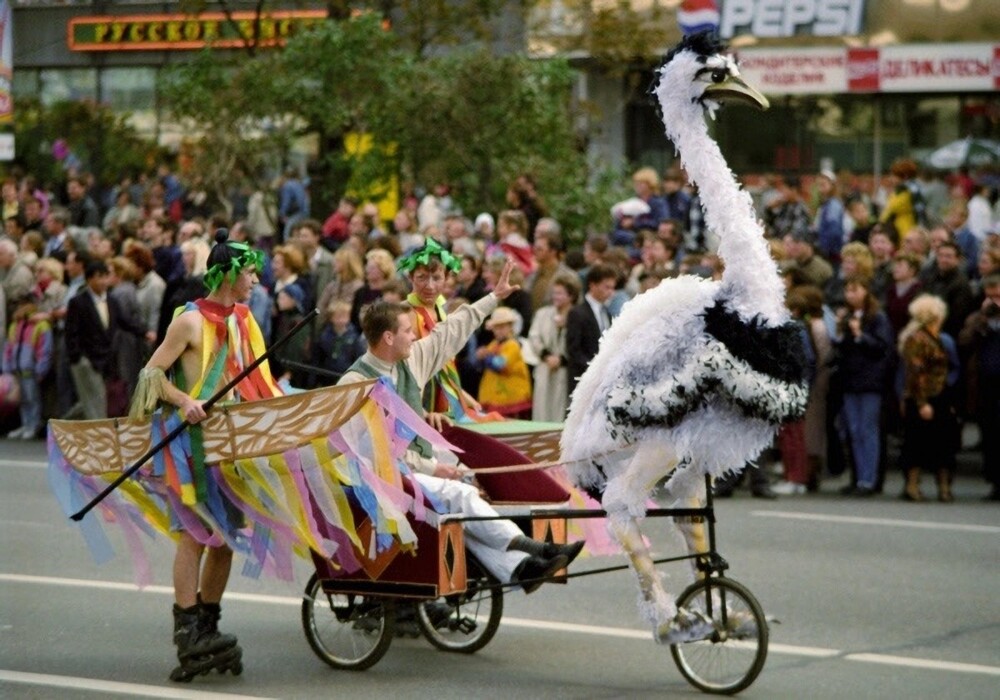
{"x": 30, "y": 464}
{"x": 888, "y": 522}
{"x": 524, "y": 623}
{"x": 131, "y": 689}
{"x": 890, "y": 660}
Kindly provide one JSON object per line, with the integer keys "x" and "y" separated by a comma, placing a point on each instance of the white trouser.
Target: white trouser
{"x": 487, "y": 539}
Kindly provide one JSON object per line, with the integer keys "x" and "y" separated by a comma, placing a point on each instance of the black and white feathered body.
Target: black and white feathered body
{"x": 695, "y": 374}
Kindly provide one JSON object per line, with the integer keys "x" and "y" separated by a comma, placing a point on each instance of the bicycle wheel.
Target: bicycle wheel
{"x": 732, "y": 658}
{"x": 346, "y": 631}
{"x": 464, "y": 622}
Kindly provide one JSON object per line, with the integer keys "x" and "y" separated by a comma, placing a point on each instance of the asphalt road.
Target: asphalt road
{"x": 876, "y": 599}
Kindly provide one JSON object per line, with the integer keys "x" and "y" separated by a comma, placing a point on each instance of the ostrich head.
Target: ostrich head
{"x": 698, "y": 76}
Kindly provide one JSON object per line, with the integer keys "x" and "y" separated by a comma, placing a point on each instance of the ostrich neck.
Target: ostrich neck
{"x": 751, "y": 275}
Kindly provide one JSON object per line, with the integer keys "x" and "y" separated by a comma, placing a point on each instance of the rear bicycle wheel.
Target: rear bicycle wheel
{"x": 346, "y": 631}
{"x": 464, "y": 622}
{"x": 733, "y": 656}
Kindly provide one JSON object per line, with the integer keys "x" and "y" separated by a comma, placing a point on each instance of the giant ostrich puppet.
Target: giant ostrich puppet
{"x": 695, "y": 375}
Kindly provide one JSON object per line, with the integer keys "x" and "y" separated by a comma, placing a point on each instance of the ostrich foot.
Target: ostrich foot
{"x": 687, "y": 626}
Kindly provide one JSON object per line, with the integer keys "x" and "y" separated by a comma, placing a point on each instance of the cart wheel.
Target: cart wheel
{"x": 346, "y": 631}
{"x": 464, "y": 622}
{"x": 732, "y": 658}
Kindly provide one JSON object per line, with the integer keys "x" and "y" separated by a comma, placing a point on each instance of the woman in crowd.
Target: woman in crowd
{"x": 548, "y": 340}
{"x": 864, "y": 345}
{"x": 929, "y": 423}
{"x": 129, "y": 353}
{"x": 289, "y": 267}
{"x": 905, "y": 287}
{"x": 348, "y": 278}
{"x": 379, "y": 269}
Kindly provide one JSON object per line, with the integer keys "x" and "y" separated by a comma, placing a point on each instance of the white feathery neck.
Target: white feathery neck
{"x": 750, "y": 280}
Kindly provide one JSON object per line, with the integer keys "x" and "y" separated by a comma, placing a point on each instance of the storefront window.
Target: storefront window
{"x": 60, "y": 84}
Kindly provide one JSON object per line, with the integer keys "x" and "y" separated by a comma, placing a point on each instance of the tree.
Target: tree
{"x": 103, "y": 142}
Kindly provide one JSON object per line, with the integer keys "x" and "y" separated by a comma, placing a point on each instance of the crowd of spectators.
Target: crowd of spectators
{"x": 896, "y": 284}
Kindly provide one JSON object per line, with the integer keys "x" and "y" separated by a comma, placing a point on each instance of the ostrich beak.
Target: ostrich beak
{"x": 735, "y": 89}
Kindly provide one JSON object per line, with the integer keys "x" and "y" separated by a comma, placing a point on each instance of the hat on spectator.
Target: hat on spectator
{"x": 295, "y": 292}
{"x": 828, "y": 174}
{"x": 501, "y": 316}
{"x": 630, "y": 207}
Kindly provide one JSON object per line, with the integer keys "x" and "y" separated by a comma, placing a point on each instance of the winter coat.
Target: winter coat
{"x": 864, "y": 363}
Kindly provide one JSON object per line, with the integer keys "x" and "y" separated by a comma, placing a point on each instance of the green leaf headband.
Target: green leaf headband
{"x": 229, "y": 270}
{"x": 423, "y": 255}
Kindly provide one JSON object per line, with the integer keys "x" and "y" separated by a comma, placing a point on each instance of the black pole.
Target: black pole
{"x": 207, "y": 405}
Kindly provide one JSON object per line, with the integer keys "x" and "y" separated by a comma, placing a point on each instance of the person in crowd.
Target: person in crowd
{"x": 587, "y": 321}
{"x": 803, "y": 446}
{"x": 293, "y": 203}
{"x": 123, "y": 213}
{"x": 286, "y": 364}
{"x": 151, "y": 289}
{"x": 548, "y": 341}
{"x": 860, "y": 222}
{"x": 435, "y": 206}
{"x": 194, "y": 255}
{"x": 800, "y": 247}
{"x": 658, "y": 258}
{"x": 130, "y": 348}
{"x": 348, "y": 278}
{"x": 469, "y": 280}
{"x": 338, "y": 345}
{"x": 158, "y": 233}
{"x": 458, "y": 235}
{"x": 380, "y": 269}
{"x": 83, "y": 211}
{"x": 905, "y": 287}
{"x": 856, "y": 261}
{"x": 956, "y": 223}
{"x": 785, "y": 212}
{"x": 92, "y": 320}
{"x": 506, "y": 384}
{"x": 646, "y": 185}
{"x": 519, "y": 299}
{"x": 548, "y": 249}
{"x": 946, "y": 280}
{"x": 929, "y": 420}
{"x": 10, "y": 199}
{"x": 980, "y": 220}
{"x": 980, "y": 342}
{"x": 319, "y": 261}
{"x": 864, "y": 345}
{"x": 676, "y": 199}
{"x": 905, "y": 207}
{"x": 16, "y": 276}
{"x": 49, "y": 291}
{"x": 512, "y": 235}
{"x": 987, "y": 264}
{"x": 523, "y": 196}
{"x": 289, "y": 267}
{"x": 56, "y": 228}
{"x": 335, "y": 228}
{"x": 883, "y": 252}
{"x": 404, "y": 225}
{"x": 28, "y": 356}
{"x": 829, "y": 221}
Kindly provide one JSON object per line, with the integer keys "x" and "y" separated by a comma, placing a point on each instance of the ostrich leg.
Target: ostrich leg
{"x": 625, "y": 501}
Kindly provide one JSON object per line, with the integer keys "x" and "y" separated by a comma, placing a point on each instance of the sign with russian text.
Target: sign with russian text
{"x": 904, "y": 68}
{"x": 794, "y": 71}
{"x": 185, "y": 32}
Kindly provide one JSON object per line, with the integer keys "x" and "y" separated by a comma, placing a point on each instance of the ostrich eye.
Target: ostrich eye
{"x": 719, "y": 75}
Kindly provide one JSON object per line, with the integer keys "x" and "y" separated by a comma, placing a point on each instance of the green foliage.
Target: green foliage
{"x": 469, "y": 117}
{"x": 104, "y": 142}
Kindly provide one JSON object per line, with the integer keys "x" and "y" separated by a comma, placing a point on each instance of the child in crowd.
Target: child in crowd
{"x": 339, "y": 344}
{"x": 506, "y": 384}
{"x": 27, "y": 355}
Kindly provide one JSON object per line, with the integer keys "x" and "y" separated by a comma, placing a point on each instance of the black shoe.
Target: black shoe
{"x": 438, "y": 613}
{"x": 847, "y": 490}
{"x": 570, "y": 551}
{"x": 863, "y": 491}
{"x": 534, "y": 571}
{"x": 993, "y": 495}
{"x": 764, "y": 492}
